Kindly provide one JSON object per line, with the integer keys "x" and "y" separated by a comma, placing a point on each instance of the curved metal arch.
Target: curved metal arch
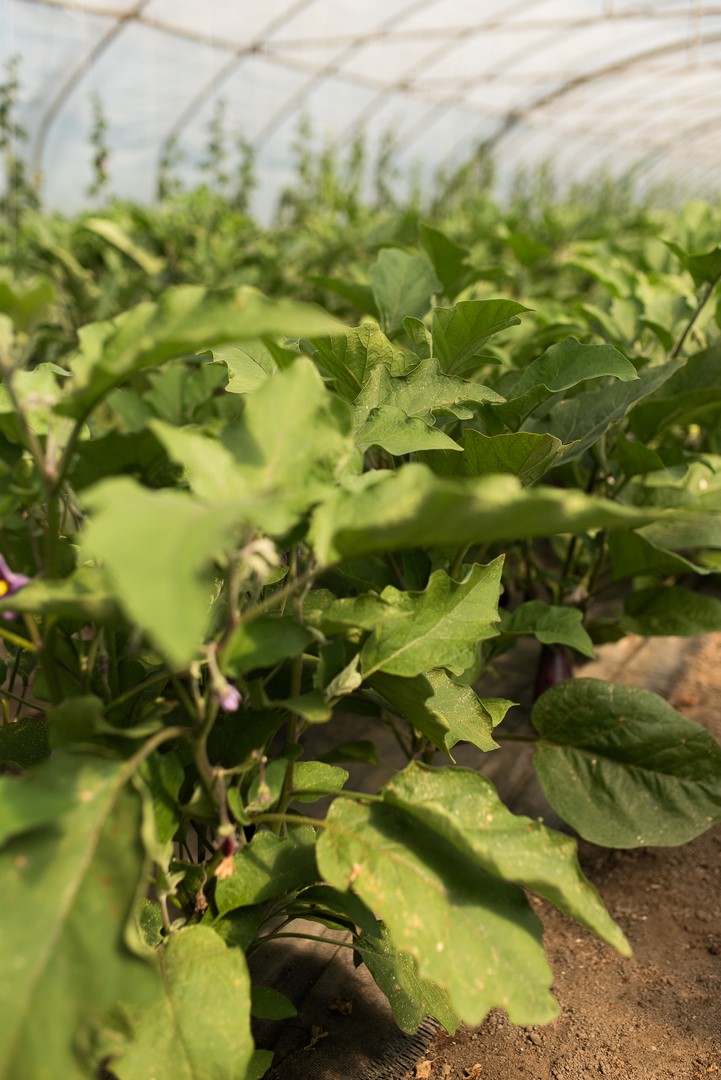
{"x": 456, "y": 99}
{"x": 295, "y": 101}
{"x": 517, "y": 117}
{"x": 224, "y": 72}
{"x": 75, "y": 77}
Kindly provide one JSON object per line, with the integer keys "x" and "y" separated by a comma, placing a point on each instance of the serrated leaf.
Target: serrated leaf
{"x": 468, "y": 932}
{"x": 459, "y": 332}
{"x": 268, "y": 867}
{"x": 464, "y": 807}
{"x": 623, "y": 767}
{"x": 350, "y": 357}
{"x": 411, "y": 632}
{"x": 549, "y": 624}
{"x": 397, "y": 433}
{"x": 185, "y": 318}
{"x": 68, "y": 893}
{"x": 200, "y": 1029}
{"x": 139, "y": 534}
{"x": 444, "y": 711}
{"x": 524, "y": 454}
{"x": 412, "y": 508}
{"x": 411, "y": 998}
{"x": 263, "y": 642}
{"x": 659, "y": 611}
{"x": 402, "y": 285}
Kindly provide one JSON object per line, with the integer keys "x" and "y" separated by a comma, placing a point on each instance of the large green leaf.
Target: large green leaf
{"x": 632, "y": 554}
{"x": 659, "y": 610}
{"x": 582, "y": 419}
{"x": 623, "y": 767}
{"x": 459, "y": 332}
{"x": 561, "y": 367}
{"x": 86, "y": 594}
{"x": 397, "y": 433}
{"x": 350, "y": 357}
{"x": 263, "y": 642}
{"x": 549, "y": 624}
{"x": 268, "y": 867}
{"x": 114, "y": 235}
{"x": 444, "y": 711}
{"x": 692, "y": 390}
{"x": 68, "y": 892}
{"x": 521, "y": 453}
{"x": 423, "y": 392}
{"x": 249, "y": 365}
{"x": 469, "y": 932}
{"x": 402, "y": 285}
{"x": 411, "y": 998}
{"x": 159, "y": 547}
{"x": 200, "y": 1029}
{"x": 24, "y": 743}
{"x": 412, "y": 508}
{"x": 411, "y": 632}
{"x": 464, "y": 807}
{"x": 185, "y": 319}
{"x": 448, "y": 258}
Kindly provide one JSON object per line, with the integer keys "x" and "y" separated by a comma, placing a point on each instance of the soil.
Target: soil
{"x": 655, "y": 1016}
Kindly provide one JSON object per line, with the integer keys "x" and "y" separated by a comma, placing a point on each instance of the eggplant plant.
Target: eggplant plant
{"x": 228, "y": 519}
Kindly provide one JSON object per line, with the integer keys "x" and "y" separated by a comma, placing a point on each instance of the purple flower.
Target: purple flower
{"x": 10, "y": 583}
{"x": 230, "y": 698}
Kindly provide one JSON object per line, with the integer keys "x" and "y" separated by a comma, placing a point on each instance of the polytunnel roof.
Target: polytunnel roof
{"x": 589, "y": 84}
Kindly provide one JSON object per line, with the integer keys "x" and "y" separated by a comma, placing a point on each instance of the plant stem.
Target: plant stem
{"x": 15, "y": 639}
{"x": 304, "y": 937}
{"x": 697, "y": 311}
{"x": 152, "y": 680}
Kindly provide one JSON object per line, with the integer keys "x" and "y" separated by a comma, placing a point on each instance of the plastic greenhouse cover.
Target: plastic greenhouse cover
{"x": 618, "y": 85}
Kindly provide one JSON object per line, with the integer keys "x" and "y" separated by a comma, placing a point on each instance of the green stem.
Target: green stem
{"x": 697, "y": 311}
{"x": 15, "y": 639}
{"x": 153, "y": 680}
{"x": 304, "y": 937}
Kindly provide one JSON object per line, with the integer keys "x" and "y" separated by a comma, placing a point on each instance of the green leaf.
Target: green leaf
{"x": 623, "y": 767}
{"x": 444, "y": 711}
{"x": 185, "y": 319}
{"x": 269, "y": 1004}
{"x": 634, "y": 458}
{"x": 350, "y": 357}
{"x": 659, "y": 611}
{"x": 397, "y": 433}
{"x": 25, "y": 742}
{"x": 704, "y": 267}
{"x": 355, "y": 292}
{"x": 25, "y": 302}
{"x": 549, "y": 624}
{"x": 68, "y": 893}
{"x": 688, "y": 395}
{"x": 411, "y": 998}
{"x": 86, "y": 595}
{"x": 459, "y": 332}
{"x": 200, "y": 1028}
{"x": 464, "y": 807}
{"x": 249, "y": 365}
{"x": 112, "y": 233}
{"x": 468, "y": 932}
{"x": 141, "y": 536}
{"x": 448, "y": 258}
{"x": 633, "y": 555}
{"x": 402, "y": 285}
{"x": 561, "y": 367}
{"x": 422, "y": 392}
{"x": 263, "y": 642}
{"x": 25, "y": 805}
{"x": 523, "y": 454}
{"x": 412, "y": 508}
{"x": 362, "y": 750}
{"x": 268, "y": 867}
{"x": 311, "y": 777}
{"x": 411, "y": 632}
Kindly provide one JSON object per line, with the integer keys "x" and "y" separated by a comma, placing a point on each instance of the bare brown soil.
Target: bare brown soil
{"x": 655, "y": 1016}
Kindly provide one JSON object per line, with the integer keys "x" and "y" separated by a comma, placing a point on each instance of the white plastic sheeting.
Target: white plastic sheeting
{"x": 590, "y": 85}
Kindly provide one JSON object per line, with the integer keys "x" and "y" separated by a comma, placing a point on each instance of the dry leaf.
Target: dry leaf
{"x": 475, "y": 1072}
{"x": 342, "y": 1006}
{"x": 316, "y": 1034}
{"x": 423, "y": 1070}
